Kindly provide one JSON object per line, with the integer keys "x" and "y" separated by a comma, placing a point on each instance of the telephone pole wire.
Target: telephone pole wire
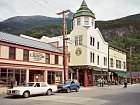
{"x": 64, "y": 41}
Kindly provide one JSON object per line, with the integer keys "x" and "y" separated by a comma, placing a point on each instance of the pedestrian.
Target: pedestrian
{"x": 12, "y": 83}
{"x": 125, "y": 83}
{"x": 98, "y": 82}
{"x": 102, "y": 82}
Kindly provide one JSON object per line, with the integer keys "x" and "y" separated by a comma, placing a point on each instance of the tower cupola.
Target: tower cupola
{"x": 84, "y": 16}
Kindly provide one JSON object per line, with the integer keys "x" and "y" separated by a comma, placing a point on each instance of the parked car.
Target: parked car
{"x": 69, "y": 85}
{"x": 32, "y": 88}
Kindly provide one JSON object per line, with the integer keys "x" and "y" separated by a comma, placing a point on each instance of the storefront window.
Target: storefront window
{"x": 7, "y": 74}
{"x": 54, "y": 77}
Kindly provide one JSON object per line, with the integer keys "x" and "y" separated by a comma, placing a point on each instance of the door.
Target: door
{"x": 37, "y": 88}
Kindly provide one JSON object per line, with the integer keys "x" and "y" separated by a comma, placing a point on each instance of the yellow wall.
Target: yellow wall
{"x": 81, "y": 59}
{"x": 52, "y": 59}
{"x": 19, "y": 54}
{"x": 117, "y": 55}
{"x": 60, "y": 60}
{"x": 4, "y": 52}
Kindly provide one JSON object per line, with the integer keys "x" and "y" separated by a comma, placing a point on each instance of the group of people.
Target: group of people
{"x": 101, "y": 81}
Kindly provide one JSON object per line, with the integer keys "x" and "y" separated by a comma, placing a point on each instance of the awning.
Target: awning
{"x": 121, "y": 74}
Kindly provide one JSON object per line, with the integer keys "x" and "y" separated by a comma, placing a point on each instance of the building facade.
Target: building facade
{"x": 27, "y": 60}
{"x": 117, "y": 64}
{"x": 90, "y": 57}
{"x": 89, "y": 51}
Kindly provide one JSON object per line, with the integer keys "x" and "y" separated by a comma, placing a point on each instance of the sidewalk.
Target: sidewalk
{"x": 3, "y": 90}
{"x": 111, "y": 87}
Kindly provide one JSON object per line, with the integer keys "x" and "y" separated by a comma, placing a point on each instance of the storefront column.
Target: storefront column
{"x": 45, "y": 76}
{"x": 27, "y": 75}
{"x": 85, "y": 78}
{"x": 77, "y": 74}
{"x": 71, "y": 77}
{"x": 92, "y": 82}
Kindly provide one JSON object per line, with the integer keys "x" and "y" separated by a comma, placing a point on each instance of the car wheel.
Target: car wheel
{"x": 49, "y": 92}
{"x": 26, "y": 94}
{"x": 68, "y": 90}
{"x": 77, "y": 89}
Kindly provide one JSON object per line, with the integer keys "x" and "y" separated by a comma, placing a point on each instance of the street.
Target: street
{"x": 108, "y": 95}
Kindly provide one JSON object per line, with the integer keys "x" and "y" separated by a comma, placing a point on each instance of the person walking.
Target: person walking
{"x": 12, "y": 83}
{"x": 125, "y": 83}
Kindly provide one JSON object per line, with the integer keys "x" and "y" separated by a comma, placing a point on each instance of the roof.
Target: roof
{"x": 84, "y": 11}
{"x": 13, "y": 39}
{"x": 116, "y": 47}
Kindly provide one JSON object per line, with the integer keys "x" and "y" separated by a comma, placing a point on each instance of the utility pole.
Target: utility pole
{"x": 131, "y": 64}
{"x": 64, "y": 39}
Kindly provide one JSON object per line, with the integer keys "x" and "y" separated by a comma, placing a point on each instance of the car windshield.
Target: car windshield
{"x": 29, "y": 84}
{"x": 67, "y": 82}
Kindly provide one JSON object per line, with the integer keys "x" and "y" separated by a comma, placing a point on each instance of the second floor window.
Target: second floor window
{"x": 26, "y": 55}
{"x": 47, "y": 58}
{"x": 124, "y": 65}
{"x": 111, "y": 62}
{"x": 92, "y": 41}
{"x": 90, "y": 57}
{"x": 105, "y": 61}
{"x": 56, "y": 59}
{"x": 12, "y": 53}
{"x": 78, "y": 40}
{"x": 97, "y": 60}
{"x": 118, "y": 64}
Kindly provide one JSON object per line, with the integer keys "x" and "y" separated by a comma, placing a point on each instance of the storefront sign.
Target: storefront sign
{"x": 37, "y": 56}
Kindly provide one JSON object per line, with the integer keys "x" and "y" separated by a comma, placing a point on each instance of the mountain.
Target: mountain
{"x": 70, "y": 15}
{"x": 123, "y": 32}
{"x": 18, "y": 25}
{"x": 133, "y": 17}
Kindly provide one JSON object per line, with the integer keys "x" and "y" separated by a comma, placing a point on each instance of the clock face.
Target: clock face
{"x": 78, "y": 51}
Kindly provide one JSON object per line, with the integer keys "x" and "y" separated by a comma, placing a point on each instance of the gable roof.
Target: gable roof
{"x": 13, "y": 39}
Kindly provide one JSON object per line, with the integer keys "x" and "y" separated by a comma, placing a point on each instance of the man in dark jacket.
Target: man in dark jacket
{"x": 12, "y": 83}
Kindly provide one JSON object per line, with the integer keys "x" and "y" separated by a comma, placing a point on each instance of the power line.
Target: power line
{"x": 40, "y": 4}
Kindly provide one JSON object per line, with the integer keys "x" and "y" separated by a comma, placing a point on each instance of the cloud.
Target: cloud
{"x": 103, "y": 9}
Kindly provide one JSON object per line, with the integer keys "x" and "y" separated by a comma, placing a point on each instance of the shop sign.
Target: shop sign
{"x": 37, "y": 56}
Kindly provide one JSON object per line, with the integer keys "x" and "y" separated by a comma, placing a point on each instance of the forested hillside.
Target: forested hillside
{"x": 123, "y": 32}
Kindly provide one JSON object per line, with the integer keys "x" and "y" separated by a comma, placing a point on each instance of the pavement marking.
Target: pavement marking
{"x": 72, "y": 100}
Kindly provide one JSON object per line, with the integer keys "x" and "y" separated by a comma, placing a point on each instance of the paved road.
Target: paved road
{"x": 109, "y": 95}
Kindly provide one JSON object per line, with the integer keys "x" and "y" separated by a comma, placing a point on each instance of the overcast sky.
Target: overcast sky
{"x": 103, "y": 9}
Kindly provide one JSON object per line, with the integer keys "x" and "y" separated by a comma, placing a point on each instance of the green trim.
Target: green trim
{"x": 84, "y": 11}
{"x": 121, "y": 74}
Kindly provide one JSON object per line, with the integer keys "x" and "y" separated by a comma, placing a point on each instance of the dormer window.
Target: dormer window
{"x": 86, "y": 21}
{"x": 78, "y": 21}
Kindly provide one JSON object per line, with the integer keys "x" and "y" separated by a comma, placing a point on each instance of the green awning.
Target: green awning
{"x": 121, "y": 74}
